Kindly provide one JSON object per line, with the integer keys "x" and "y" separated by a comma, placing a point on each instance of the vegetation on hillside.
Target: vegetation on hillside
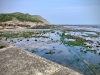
{"x": 19, "y": 17}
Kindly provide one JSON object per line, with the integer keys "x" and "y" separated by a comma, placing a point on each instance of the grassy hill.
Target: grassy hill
{"x": 17, "y": 16}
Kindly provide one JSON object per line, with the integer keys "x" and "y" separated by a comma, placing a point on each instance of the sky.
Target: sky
{"x": 69, "y": 12}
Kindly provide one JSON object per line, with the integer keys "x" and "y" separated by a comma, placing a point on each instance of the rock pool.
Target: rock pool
{"x": 63, "y": 49}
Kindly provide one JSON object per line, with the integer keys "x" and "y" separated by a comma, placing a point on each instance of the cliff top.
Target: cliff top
{"x": 17, "y": 16}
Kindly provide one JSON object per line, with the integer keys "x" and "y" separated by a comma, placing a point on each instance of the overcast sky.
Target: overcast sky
{"x": 57, "y": 11}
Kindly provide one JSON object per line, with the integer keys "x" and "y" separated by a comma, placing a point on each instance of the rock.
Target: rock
{"x": 50, "y": 52}
{"x": 97, "y": 46}
{"x": 35, "y": 39}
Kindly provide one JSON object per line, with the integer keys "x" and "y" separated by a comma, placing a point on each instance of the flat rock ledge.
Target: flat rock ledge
{"x": 15, "y": 61}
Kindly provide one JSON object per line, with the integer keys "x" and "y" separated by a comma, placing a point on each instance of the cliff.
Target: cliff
{"x": 21, "y": 19}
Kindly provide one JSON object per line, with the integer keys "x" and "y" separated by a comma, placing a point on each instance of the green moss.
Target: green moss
{"x": 96, "y": 67}
{"x": 33, "y": 51}
{"x": 91, "y": 35}
{"x": 92, "y": 51}
{"x": 75, "y": 43}
{"x": 14, "y": 35}
{"x": 8, "y": 35}
{"x": 2, "y": 47}
{"x": 77, "y": 38}
{"x": 79, "y": 41}
{"x": 35, "y": 34}
{"x": 99, "y": 63}
{"x": 77, "y": 59}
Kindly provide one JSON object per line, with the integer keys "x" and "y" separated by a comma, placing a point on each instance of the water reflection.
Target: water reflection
{"x": 54, "y": 48}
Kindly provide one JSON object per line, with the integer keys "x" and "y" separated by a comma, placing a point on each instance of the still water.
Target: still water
{"x": 82, "y": 59}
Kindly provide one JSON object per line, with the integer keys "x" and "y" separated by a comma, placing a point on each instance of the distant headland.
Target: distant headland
{"x": 19, "y": 19}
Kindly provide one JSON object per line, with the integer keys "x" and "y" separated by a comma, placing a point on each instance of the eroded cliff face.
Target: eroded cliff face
{"x": 19, "y": 23}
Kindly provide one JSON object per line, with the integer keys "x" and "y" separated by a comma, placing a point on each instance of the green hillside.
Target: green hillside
{"x": 17, "y": 16}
